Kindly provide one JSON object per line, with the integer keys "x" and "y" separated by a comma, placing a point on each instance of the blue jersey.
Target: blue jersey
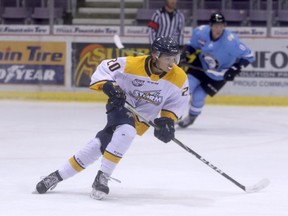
{"x": 220, "y": 54}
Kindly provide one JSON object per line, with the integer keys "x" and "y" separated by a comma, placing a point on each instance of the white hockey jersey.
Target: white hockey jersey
{"x": 149, "y": 94}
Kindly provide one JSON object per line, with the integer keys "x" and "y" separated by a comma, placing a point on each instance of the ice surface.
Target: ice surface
{"x": 248, "y": 143}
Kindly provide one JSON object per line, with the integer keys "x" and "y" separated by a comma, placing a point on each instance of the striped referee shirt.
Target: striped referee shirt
{"x": 167, "y": 24}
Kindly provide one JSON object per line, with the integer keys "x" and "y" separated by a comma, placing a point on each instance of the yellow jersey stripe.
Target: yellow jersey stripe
{"x": 136, "y": 65}
{"x": 169, "y": 114}
{"x": 111, "y": 157}
{"x": 75, "y": 164}
{"x": 98, "y": 85}
{"x": 141, "y": 127}
{"x": 176, "y": 76}
{"x": 140, "y": 66}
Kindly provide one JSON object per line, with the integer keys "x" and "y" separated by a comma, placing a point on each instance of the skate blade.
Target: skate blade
{"x": 98, "y": 195}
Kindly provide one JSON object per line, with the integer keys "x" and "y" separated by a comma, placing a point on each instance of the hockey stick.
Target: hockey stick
{"x": 118, "y": 42}
{"x": 250, "y": 189}
{"x": 216, "y": 73}
{"x": 120, "y": 46}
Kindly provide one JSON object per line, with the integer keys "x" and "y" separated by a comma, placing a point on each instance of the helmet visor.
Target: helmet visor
{"x": 169, "y": 59}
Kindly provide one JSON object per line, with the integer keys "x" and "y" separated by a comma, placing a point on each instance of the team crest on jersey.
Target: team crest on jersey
{"x": 150, "y": 96}
{"x": 230, "y": 37}
{"x": 138, "y": 83}
{"x": 212, "y": 63}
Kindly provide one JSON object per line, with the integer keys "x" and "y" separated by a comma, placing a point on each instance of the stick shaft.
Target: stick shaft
{"x": 216, "y": 73}
{"x": 188, "y": 149}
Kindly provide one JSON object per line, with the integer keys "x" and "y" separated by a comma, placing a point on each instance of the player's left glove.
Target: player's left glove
{"x": 230, "y": 74}
{"x": 116, "y": 95}
{"x": 165, "y": 131}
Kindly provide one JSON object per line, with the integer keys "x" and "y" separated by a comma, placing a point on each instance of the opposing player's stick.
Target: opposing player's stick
{"x": 250, "y": 189}
{"x": 216, "y": 73}
{"x": 118, "y": 42}
{"x": 119, "y": 45}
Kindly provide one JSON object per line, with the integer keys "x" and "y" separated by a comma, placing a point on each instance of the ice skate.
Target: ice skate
{"x": 49, "y": 182}
{"x": 189, "y": 120}
{"x": 100, "y": 186}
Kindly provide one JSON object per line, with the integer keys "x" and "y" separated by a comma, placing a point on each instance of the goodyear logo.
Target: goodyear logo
{"x": 32, "y": 62}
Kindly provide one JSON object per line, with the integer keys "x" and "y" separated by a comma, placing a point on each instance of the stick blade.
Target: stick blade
{"x": 257, "y": 187}
{"x": 118, "y": 42}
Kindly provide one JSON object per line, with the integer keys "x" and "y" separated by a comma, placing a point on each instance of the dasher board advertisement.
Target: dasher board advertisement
{"x": 32, "y": 63}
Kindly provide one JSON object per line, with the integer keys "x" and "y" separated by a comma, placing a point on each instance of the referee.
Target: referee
{"x": 167, "y": 21}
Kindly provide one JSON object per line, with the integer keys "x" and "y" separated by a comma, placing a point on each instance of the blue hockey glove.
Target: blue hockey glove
{"x": 165, "y": 131}
{"x": 234, "y": 70}
{"x": 116, "y": 95}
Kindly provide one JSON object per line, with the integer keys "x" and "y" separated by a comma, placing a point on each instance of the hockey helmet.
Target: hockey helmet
{"x": 217, "y": 18}
{"x": 167, "y": 46}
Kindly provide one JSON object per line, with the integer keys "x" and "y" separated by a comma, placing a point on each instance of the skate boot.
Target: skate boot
{"x": 49, "y": 182}
{"x": 189, "y": 120}
{"x": 100, "y": 186}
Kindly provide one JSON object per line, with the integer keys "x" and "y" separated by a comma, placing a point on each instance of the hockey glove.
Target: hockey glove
{"x": 234, "y": 70}
{"x": 184, "y": 58}
{"x": 116, "y": 95}
{"x": 165, "y": 129}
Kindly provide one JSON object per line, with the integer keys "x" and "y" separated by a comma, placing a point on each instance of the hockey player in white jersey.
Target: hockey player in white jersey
{"x": 215, "y": 48}
{"x": 154, "y": 85}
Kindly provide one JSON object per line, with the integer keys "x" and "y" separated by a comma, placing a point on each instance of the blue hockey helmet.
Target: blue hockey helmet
{"x": 217, "y": 18}
{"x": 168, "y": 47}
{"x": 165, "y": 45}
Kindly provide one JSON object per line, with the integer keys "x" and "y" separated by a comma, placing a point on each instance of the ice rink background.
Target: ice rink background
{"x": 248, "y": 143}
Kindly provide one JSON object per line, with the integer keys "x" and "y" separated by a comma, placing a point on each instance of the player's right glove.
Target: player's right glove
{"x": 165, "y": 130}
{"x": 234, "y": 70}
{"x": 116, "y": 95}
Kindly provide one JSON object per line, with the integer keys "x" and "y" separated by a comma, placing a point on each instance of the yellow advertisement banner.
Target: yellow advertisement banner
{"x": 36, "y": 53}
{"x": 33, "y": 63}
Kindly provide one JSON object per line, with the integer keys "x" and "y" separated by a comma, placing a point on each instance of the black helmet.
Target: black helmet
{"x": 165, "y": 45}
{"x": 217, "y": 18}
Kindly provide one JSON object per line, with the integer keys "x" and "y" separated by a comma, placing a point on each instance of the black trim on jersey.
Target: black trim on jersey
{"x": 162, "y": 74}
{"x": 147, "y": 68}
{"x": 149, "y": 71}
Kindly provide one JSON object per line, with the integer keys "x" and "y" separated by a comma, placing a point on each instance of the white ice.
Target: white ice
{"x": 247, "y": 143}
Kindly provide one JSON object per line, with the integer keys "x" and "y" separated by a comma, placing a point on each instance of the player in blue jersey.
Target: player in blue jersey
{"x": 213, "y": 48}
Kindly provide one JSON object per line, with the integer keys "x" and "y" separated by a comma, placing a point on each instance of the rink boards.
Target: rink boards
{"x": 58, "y": 68}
